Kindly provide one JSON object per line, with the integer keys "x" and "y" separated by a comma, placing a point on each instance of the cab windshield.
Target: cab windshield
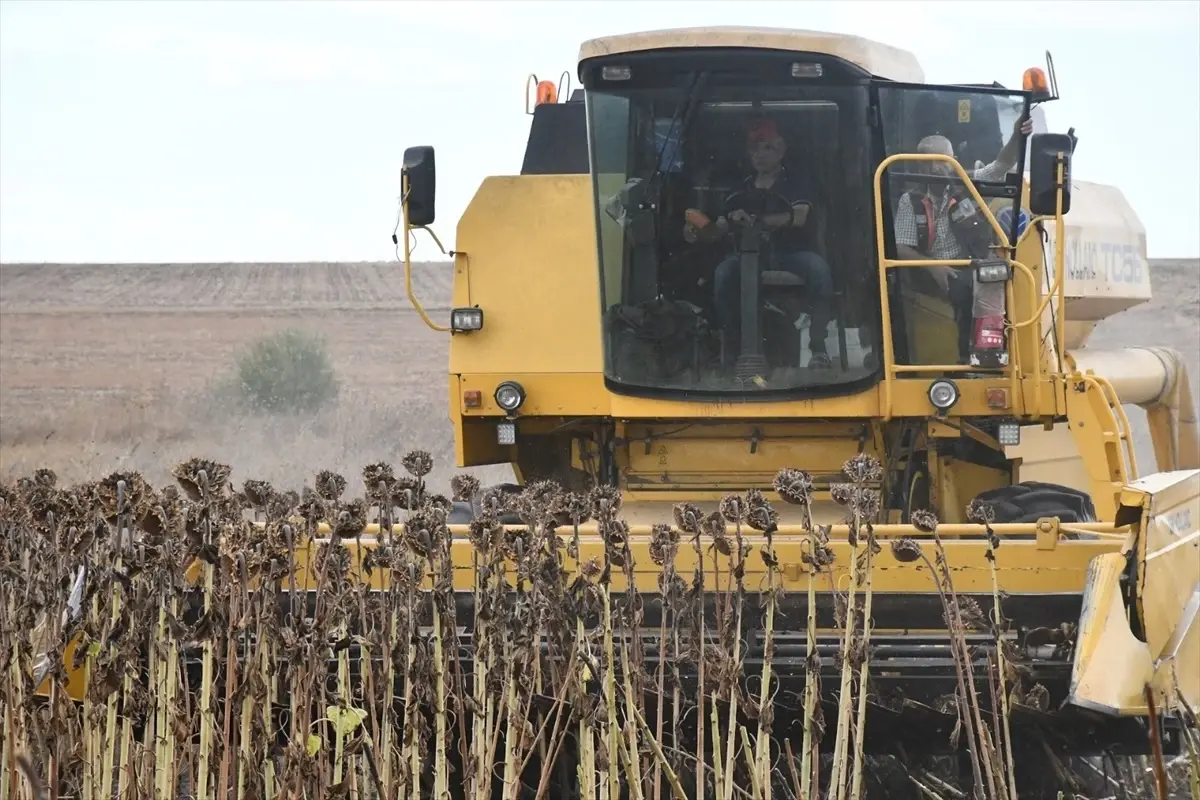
{"x": 736, "y": 235}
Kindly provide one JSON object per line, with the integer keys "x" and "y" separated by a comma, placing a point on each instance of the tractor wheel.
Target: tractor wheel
{"x": 465, "y": 513}
{"x": 1030, "y": 501}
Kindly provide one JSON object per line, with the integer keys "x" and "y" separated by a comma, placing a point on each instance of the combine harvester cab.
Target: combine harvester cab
{"x": 734, "y": 563}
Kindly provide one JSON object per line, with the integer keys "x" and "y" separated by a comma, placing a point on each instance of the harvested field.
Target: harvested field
{"x": 108, "y": 367}
{"x": 120, "y": 366}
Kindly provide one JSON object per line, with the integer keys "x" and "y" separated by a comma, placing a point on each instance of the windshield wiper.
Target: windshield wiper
{"x": 687, "y": 110}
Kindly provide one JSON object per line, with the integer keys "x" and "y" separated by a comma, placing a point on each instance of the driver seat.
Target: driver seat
{"x": 787, "y": 289}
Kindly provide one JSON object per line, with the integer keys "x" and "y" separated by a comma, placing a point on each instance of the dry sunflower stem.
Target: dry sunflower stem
{"x": 248, "y": 642}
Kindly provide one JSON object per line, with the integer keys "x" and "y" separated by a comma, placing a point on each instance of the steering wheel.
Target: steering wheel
{"x": 735, "y": 201}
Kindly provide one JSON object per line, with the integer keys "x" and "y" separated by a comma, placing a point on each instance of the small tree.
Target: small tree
{"x": 288, "y": 371}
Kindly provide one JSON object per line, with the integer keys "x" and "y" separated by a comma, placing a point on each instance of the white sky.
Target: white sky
{"x": 273, "y": 131}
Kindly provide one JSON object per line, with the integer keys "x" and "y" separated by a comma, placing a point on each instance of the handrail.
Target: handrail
{"x": 889, "y": 356}
{"x": 1124, "y": 429}
{"x": 641, "y": 534}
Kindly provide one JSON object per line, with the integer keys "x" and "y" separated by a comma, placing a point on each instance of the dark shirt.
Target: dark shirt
{"x": 758, "y": 202}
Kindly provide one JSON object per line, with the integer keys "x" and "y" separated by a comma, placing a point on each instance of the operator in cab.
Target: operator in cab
{"x": 790, "y": 246}
{"x": 939, "y": 222}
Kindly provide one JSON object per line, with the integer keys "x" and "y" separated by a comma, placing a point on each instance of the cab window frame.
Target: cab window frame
{"x": 670, "y": 72}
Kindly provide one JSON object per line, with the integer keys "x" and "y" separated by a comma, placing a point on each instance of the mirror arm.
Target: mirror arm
{"x": 408, "y": 287}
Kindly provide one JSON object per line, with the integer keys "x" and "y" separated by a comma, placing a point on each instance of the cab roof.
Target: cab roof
{"x": 881, "y": 60}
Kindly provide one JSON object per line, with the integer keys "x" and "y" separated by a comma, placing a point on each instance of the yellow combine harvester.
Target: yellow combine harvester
{"x": 617, "y": 322}
{"x": 787, "y": 349}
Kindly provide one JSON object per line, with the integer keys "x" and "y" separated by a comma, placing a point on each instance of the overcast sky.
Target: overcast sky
{"x": 273, "y": 131}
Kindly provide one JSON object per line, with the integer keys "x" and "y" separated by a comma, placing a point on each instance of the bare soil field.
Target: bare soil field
{"x": 107, "y": 367}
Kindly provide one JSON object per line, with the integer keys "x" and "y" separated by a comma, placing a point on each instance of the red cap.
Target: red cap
{"x": 762, "y": 130}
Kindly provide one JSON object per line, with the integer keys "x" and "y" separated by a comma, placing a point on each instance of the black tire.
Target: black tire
{"x": 1030, "y": 501}
{"x": 465, "y": 513}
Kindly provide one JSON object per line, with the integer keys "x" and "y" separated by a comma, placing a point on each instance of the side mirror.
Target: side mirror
{"x": 421, "y": 176}
{"x": 1043, "y": 172}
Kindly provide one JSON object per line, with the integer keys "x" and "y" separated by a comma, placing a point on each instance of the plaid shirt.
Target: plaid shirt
{"x": 945, "y": 246}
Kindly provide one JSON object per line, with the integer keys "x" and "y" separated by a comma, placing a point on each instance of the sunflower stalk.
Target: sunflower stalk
{"x": 763, "y": 517}
{"x": 910, "y": 550}
{"x": 717, "y": 750}
{"x": 864, "y": 667}
{"x": 441, "y": 777}
{"x": 110, "y": 724}
{"x": 795, "y": 487}
{"x": 984, "y": 513}
{"x": 982, "y": 756}
{"x": 207, "y": 723}
{"x": 734, "y": 510}
{"x": 634, "y": 772}
{"x": 837, "y": 778}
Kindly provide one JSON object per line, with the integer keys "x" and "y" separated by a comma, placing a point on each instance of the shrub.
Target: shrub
{"x": 287, "y": 371}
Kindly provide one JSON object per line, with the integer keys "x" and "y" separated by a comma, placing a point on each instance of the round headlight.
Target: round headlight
{"x": 509, "y": 396}
{"x": 943, "y": 394}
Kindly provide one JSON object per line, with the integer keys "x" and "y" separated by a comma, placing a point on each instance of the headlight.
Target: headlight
{"x": 992, "y": 271}
{"x": 943, "y": 395}
{"x": 1009, "y": 434}
{"x": 509, "y": 396}
{"x": 506, "y": 433}
{"x": 466, "y": 319}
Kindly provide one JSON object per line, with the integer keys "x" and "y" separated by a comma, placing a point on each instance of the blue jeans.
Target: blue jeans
{"x": 805, "y": 264}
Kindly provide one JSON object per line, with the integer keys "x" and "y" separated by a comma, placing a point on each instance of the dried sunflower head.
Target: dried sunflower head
{"x": 688, "y": 517}
{"x": 258, "y": 493}
{"x": 570, "y": 508}
{"x": 733, "y": 508}
{"x": 605, "y": 501}
{"x": 971, "y": 613}
{"x": 407, "y": 493}
{"x": 714, "y": 526}
{"x": 464, "y": 487}
{"x": 793, "y": 486}
{"x": 866, "y": 503}
{"x": 421, "y": 533}
{"x": 664, "y": 541}
{"x": 906, "y": 550}
{"x": 195, "y": 474}
{"x": 495, "y": 501}
{"x": 378, "y": 479}
{"x": 330, "y": 485}
{"x": 863, "y": 468}
{"x": 759, "y": 514}
{"x": 127, "y": 488}
{"x": 924, "y": 520}
{"x": 311, "y": 507}
{"x": 351, "y": 519}
{"x": 615, "y": 534}
{"x": 46, "y": 478}
{"x": 842, "y": 493}
{"x": 981, "y": 512}
{"x": 592, "y": 568}
{"x": 419, "y": 463}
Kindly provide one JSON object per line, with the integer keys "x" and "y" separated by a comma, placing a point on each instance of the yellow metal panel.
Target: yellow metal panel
{"x": 530, "y": 245}
{"x": 682, "y": 461}
{"x": 879, "y": 59}
{"x": 582, "y": 393}
{"x": 1111, "y": 665}
{"x": 1020, "y": 566}
{"x": 1170, "y": 552}
{"x": 1051, "y": 456}
{"x": 572, "y": 394}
